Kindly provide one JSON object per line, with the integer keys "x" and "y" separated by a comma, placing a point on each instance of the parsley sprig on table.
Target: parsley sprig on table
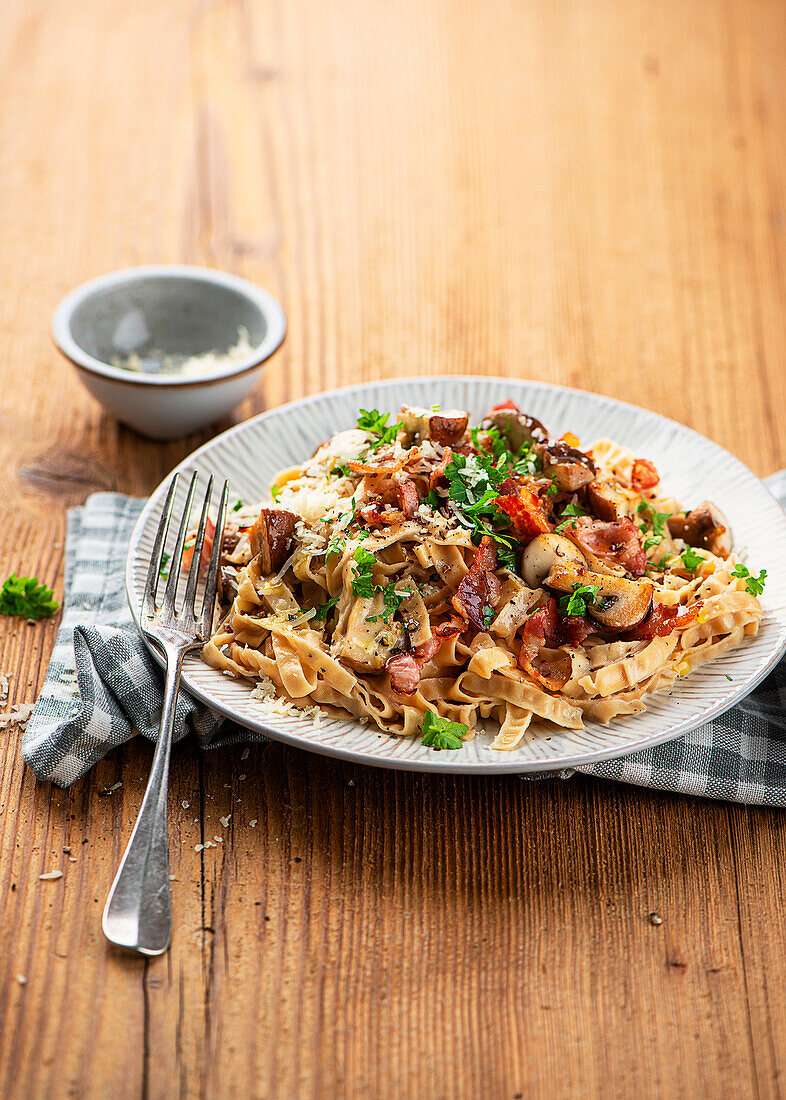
{"x": 441, "y": 733}
{"x": 754, "y": 584}
{"x": 25, "y": 596}
{"x": 577, "y": 601}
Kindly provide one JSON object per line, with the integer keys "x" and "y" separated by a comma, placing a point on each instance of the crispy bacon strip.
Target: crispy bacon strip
{"x": 575, "y": 628}
{"x": 541, "y": 625}
{"x": 615, "y": 541}
{"x": 525, "y": 513}
{"x": 447, "y": 429}
{"x": 662, "y": 621}
{"x": 406, "y": 669}
{"x": 270, "y": 538}
{"x": 644, "y": 474}
{"x": 480, "y": 587}
{"x": 408, "y": 495}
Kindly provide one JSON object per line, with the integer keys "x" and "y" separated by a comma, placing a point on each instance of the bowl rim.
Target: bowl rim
{"x": 267, "y": 305}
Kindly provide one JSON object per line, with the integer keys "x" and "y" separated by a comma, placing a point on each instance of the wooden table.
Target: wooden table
{"x": 586, "y": 193}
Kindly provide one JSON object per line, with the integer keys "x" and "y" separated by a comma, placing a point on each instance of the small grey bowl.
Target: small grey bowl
{"x": 178, "y": 310}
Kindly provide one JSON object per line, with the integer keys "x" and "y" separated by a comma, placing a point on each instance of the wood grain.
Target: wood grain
{"x": 590, "y": 194}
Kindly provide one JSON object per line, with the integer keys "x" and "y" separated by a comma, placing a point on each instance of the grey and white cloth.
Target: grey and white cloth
{"x": 102, "y": 687}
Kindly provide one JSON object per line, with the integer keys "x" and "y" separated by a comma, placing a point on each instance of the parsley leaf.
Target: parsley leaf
{"x": 441, "y": 733}
{"x": 754, "y": 584}
{"x": 363, "y": 574}
{"x": 392, "y": 601}
{"x": 433, "y": 499}
{"x": 163, "y": 571}
{"x": 657, "y": 521}
{"x": 572, "y": 510}
{"x": 25, "y": 596}
{"x": 576, "y": 602}
{"x": 274, "y": 493}
{"x": 237, "y": 505}
{"x": 375, "y": 422}
{"x": 324, "y": 608}
{"x": 691, "y": 560}
{"x": 488, "y": 615}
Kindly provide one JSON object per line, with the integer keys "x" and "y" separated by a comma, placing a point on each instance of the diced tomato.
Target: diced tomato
{"x": 644, "y": 474}
{"x": 570, "y": 440}
{"x": 210, "y": 534}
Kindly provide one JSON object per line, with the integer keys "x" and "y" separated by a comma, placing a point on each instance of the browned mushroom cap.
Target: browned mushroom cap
{"x": 270, "y": 538}
{"x": 620, "y": 604}
{"x": 605, "y": 501}
{"x": 519, "y": 428}
{"x": 547, "y": 552}
{"x": 570, "y": 469}
{"x": 705, "y": 526}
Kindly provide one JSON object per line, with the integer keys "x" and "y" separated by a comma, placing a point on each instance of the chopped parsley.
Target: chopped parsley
{"x": 164, "y": 571}
{"x": 691, "y": 560}
{"x": 323, "y": 609}
{"x": 754, "y": 584}
{"x": 363, "y": 574}
{"x": 392, "y": 601}
{"x": 433, "y": 499}
{"x": 441, "y": 733}
{"x": 577, "y": 601}
{"x": 25, "y": 596}
{"x": 572, "y": 510}
{"x": 237, "y": 505}
{"x": 274, "y": 493}
{"x": 375, "y": 422}
{"x": 657, "y": 522}
{"x": 487, "y": 616}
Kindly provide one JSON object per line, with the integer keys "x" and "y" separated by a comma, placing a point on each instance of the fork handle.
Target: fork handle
{"x": 138, "y": 911}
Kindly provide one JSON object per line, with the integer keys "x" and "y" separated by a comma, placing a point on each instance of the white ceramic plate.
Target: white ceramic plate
{"x": 691, "y": 467}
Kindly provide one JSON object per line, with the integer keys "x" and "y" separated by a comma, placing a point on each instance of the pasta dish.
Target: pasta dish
{"x": 425, "y": 576}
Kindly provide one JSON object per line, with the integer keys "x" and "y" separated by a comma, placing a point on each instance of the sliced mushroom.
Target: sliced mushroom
{"x": 446, "y": 427}
{"x": 270, "y": 538}
{"x": 518, "y": 427}
{"x": 544, "y": 553}
{"x": 605, "y": 501}
{"x": 619, "y": 605}
{"x": 705, "y": 526}
{"x": 570, "y": 469}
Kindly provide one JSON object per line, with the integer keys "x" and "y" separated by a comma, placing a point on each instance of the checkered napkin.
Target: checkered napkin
{"x": 102, "y": 687}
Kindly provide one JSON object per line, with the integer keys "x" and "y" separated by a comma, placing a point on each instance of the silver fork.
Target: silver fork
{"x": 138, "y": 911}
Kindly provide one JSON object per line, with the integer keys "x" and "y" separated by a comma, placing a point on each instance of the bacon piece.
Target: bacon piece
{"x": 614, "y": 541}
{"x": 552, "y": 674}
{"x": 438, "y": 473}
{"x": 210, "y": 534}
{"x": 404, "y": 674}
{"x": 270, "y": 538}
{"x": 662, "y": 621}
{"x": 525, "y": 513}
{"x": 575, "y": 628}
{"x": 447, "y": 429}
{"x": 405, "y": 669}
{"x": 540, "y": 626}
{"x": 480, "y": 587}
{"x": 408, "y": 494}
{"x": 509, "y": 487}
{"x": 644, "y": 474}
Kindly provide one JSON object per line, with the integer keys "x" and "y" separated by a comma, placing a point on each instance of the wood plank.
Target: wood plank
{"x": 586, "y": 194}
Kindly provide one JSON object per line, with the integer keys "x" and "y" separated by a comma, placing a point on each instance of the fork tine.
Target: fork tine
{"x": 196, "y": 560}
{"x": 212, "y": 570}
{"x": 177, "y": 553}
{"x": 154, "y": 569}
